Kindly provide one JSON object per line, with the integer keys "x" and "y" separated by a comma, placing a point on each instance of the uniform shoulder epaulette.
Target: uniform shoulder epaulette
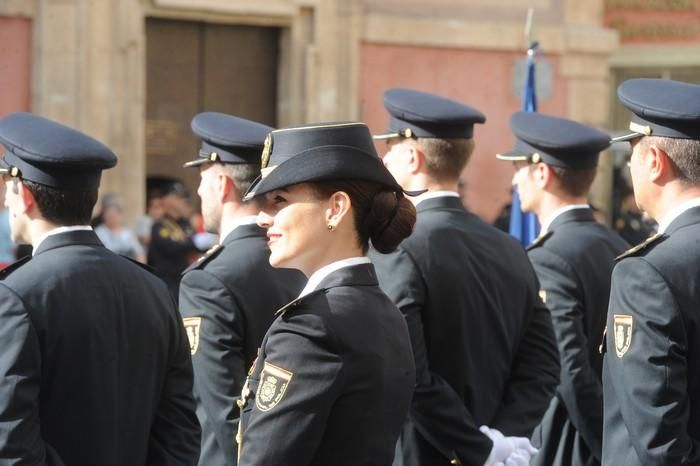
{"x": 642, "y": 246}
{"x": 539, "y": 241}
{"x": 14, "y": 266}
{"x": 211, "y": 253}
{"x": 297, "y": 302}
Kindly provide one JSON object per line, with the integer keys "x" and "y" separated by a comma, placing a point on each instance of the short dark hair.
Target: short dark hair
{"x": 575, "y": 182}
{"x": 684, "y": 153}
{"x": 445, "y": 158}
{"x": 242, "y": 174}
{"x": 381, "y": 215}
{"x": 63, "y": 207}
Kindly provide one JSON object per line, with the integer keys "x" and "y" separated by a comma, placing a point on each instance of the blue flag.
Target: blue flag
{"x": 523, "y": 225}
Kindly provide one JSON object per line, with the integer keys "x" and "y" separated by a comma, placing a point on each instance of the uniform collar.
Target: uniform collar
{"x": 58, "y": 231}
{"x": 247, "y": 220}
{"x": 557, "y": 213}
{"x": 676, "y": 212}
{"x": 434, "y": 194}
{"x": 317, "y": 277}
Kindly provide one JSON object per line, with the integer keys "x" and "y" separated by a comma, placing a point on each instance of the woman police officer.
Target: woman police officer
{"x": 335, "y": 373}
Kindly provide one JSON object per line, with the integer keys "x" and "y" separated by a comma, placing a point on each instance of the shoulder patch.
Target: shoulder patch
{"x": 623, "y": 333}
{"x": 272, "y": 386}
{"x": 193, "y": 326}
{"x": 211, "y": 253}
{"x": 642, "y": 246}
{"x": 4, "y": 273}
{"x": 539, "y": 241}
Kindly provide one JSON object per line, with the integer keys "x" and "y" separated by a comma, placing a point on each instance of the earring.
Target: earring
{"x": 331, "y": 227}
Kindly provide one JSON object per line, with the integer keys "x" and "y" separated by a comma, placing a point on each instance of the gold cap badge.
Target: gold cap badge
{"x": 267, "y": 147}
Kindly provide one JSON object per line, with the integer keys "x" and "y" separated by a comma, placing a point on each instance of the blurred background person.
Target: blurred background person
{"x": 172, "y": 245}
{"x": 112, "y": 232}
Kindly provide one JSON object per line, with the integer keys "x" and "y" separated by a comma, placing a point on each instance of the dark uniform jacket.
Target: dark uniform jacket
{"x": 170, "y": 250}
{"x": 95, "y": 368}
{"x": 574, "y": 262}
{"x": 482, "y": 339}
{"x": 333, "y": 380}
{"x": 651, "y": 368}
{"x": 228, "y": 300}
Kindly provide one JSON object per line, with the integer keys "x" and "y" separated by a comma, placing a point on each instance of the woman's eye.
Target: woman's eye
{"x": 278, "y": 200}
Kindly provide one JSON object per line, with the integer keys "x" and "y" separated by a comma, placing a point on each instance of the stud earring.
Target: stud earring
{"x": 331, "y": 227}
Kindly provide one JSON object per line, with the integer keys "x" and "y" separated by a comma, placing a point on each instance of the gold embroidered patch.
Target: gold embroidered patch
{"x": 623, "y": 333}
{"x": 543, "y": 296}
{"x": 192, "y": 325}
{"x": 272, "y": 386}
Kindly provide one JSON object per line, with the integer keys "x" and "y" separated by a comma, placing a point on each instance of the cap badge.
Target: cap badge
{"x": 265, "y": 159}
{"x": 536, "y": 158}
{"x": 641, "y": 129}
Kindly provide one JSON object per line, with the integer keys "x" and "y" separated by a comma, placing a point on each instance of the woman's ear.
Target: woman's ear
{"x": 338, "y": 207}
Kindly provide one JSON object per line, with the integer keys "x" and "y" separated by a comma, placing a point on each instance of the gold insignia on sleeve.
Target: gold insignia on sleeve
{"x": 623, "y": 333}
{"x": 272, "y": 386}
{"x": 192, "y": 326}
{"x": 543, "y": 296}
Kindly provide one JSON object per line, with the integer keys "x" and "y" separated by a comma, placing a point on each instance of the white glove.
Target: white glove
{"x": 502, "y": 447}
{"x": 508, "y": 451}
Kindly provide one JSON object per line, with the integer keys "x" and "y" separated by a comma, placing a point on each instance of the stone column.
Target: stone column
{"x": 89, "y": 73}
{"x": 584, "y": 65}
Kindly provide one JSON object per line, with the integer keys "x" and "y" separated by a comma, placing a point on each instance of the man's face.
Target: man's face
{"x": 396, "y": 160}
{"x": 209, "y": 195}
{"x": 524, "y": 183}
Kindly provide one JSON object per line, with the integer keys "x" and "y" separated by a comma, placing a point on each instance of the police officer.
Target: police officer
{"x": 229, "y": 296}
{"x": 482, "y": 339}
{"x": 574, "y": 255}
{"x": 651, "y": 367}
{"x": 95, "y": 366}
{"x": 172, "y": 243}
{"x": 334, "y": 377}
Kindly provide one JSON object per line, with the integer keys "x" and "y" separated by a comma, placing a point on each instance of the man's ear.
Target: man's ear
{"x": 27, "y": 198}
{"x": 658, "y": 163}
{"x": 542, "y": 174}
{"x": 224, "y": 187}
{"x": 416, "y": 159}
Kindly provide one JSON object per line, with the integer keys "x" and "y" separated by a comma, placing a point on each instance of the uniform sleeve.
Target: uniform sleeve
{"x": 296, "y": 386}
{"x": 647, "y": 365}
{"x": 437, "y": 411}
{"x": 580, "y": 387}
{"x": 20, "y": 376}
{"x": 534, "y": 374}
{"x": 175, "y": 433}
{"x": 217, "y": 357}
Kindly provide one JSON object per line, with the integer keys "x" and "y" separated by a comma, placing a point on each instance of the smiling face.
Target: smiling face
{"x": 296, "y": 222}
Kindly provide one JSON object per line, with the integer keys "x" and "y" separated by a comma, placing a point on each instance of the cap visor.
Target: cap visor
{"x": 195, "y": 163}
{"x": 381, "y": 137}
{"x": 627, "y": 137}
